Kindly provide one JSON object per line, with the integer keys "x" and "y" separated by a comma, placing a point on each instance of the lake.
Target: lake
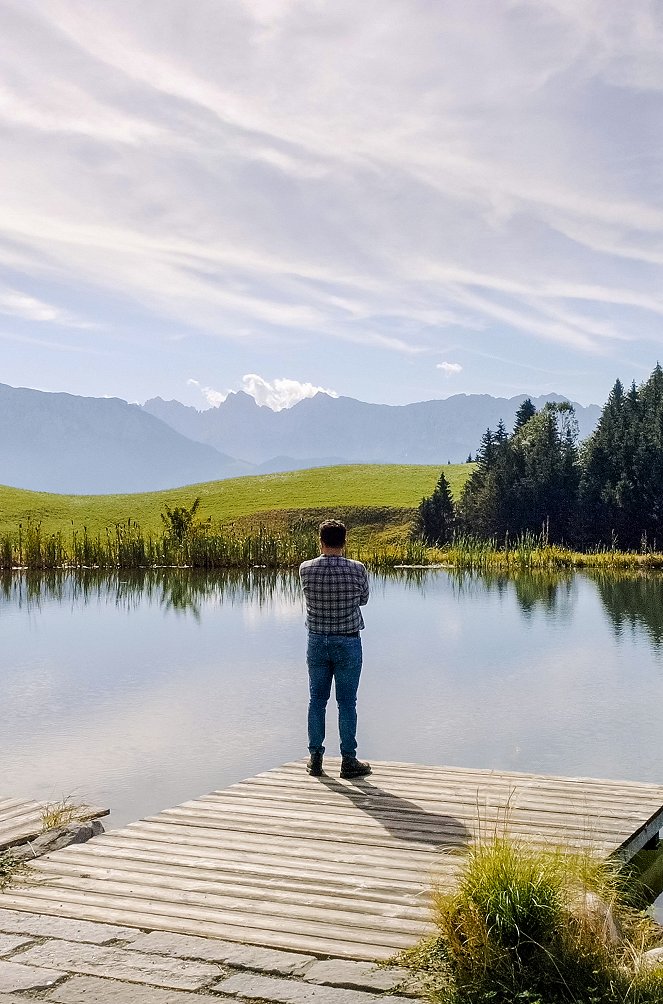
{"x": 139, "y": 691}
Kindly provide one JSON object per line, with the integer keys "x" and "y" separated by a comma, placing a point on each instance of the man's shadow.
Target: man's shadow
{"x": 404, "y": 820}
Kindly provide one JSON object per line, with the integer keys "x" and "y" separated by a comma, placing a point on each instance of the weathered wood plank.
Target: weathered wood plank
{"x": 338, "y": 948}
{"x": 253, "y": 884}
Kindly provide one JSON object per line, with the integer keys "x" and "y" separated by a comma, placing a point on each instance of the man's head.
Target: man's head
{"x": 332, "y": 533}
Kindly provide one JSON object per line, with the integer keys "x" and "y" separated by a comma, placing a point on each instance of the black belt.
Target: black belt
{"x": 347, "y": 634}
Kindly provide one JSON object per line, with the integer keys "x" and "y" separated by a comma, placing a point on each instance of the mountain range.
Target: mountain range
{"x": 344, "y": 430}
{"x": 85, "y": 445}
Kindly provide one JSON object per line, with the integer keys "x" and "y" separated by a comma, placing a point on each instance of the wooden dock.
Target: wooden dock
{"x": 21, "y": 819}
{"x": 336, "y": 868}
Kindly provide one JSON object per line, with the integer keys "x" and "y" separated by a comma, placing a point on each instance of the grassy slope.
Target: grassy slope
{"x": 360, "y": 486}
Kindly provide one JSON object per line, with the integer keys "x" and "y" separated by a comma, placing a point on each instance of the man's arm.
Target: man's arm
{"x": 363, "y": 596}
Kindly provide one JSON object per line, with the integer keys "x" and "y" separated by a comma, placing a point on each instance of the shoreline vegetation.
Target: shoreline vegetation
{"x": 382, "y": 546}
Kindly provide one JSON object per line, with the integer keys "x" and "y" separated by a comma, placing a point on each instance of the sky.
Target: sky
{"x": 394, "y": 200}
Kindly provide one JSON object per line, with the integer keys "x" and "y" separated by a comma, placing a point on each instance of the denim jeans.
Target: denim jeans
{"x": 333, "y": 657}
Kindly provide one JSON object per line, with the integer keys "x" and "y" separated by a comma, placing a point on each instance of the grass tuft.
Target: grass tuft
{"x": 536, "y": 926}
{"x": 56, "y": 814}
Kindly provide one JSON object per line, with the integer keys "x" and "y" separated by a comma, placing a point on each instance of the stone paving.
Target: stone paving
{"x": 78, "y": 962}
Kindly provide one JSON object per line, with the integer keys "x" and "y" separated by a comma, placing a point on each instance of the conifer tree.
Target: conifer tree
{"x": 524, "y": 413}
{"x": 435, "y": 519}
{"x": 527, "y": 481}
{"x": 622, "y": 482}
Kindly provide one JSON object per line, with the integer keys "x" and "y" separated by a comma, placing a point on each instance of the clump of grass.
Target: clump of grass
{"x": 56, "y": 814}
{"x": 10, "y": 867}
{"x": 546, "y": 927}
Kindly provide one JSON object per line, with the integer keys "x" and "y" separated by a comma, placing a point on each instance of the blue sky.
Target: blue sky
{"x": 394, "y": 200}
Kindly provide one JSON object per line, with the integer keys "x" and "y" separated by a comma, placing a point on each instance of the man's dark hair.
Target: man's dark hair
{"x": 332, "y": 533}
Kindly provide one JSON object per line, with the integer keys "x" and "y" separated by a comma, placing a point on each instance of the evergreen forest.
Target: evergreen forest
{"x": 539, "y": 480}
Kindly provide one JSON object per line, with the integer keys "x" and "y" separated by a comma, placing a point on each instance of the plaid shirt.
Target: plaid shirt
{"x": 334, "y": 589}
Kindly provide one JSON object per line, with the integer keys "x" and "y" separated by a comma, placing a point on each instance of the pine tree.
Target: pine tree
{"x": 527, "y": 481}
{"x": 622, "y": 482}
{"x": 524, "y": 413}
{"x": 435, "y": 518}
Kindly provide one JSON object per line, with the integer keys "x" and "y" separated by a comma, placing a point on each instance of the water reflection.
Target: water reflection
{"x": 181, "y": 590}
{"x": 534, "y": 590}
{"x": 631, "y": 599}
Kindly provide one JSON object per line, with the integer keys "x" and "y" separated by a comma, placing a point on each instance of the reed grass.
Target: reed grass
{"x": 128, "y": 546}
{"x": 530, "y": 551}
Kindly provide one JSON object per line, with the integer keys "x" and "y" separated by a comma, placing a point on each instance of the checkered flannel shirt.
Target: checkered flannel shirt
{"x": 334, "y": 589}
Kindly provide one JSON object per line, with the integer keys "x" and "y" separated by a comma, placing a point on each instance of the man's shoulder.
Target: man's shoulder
{"x": 341, "y": 562}
{"x": 311, "y": 563}
{"x": 356, "y": 564}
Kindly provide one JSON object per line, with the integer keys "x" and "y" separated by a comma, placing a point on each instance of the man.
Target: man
{"x": 334, "y": 588}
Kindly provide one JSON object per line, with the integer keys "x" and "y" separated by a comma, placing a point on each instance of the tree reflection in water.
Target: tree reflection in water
{"x": 630, "y": 599}
{"x": 179, "y": 589}
{"x": 633, "y": 600}
{"x": 535, "y": 589}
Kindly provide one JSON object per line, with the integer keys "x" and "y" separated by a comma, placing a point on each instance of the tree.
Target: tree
{"x": 622, "y": 482}
{"x": 524, "y": 413}
{"x": 435, "y": 518}
{"x": 179, "y": 521}
{"x": 527, "y": 481}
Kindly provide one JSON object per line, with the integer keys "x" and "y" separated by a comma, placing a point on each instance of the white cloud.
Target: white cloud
{"x": 213, "y": 397}
{"x": 449, "y": 369}
{"x": 278, "y": 394}
{"x": 281, "y": 392}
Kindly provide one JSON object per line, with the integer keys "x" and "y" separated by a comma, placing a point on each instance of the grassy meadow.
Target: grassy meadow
{"x": 267, "y": 498}
{"x": 266, "y": 520}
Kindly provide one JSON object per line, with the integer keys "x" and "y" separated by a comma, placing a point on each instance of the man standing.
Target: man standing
{"x": 334, "y": 588}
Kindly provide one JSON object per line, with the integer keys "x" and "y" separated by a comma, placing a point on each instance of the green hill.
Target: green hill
{"x": 365, "y": 494}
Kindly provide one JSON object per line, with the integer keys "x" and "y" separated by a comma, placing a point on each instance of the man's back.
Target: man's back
{"x": 334, "y": 588}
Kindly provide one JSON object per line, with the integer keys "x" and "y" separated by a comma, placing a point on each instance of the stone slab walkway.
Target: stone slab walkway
{"x": 55, "y": 959}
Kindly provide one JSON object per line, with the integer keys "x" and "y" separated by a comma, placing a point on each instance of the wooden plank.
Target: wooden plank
{"x": 149, "y": 908}
{"x": 418, "y": 824}
{"x": 99, "y": 878}
{"x": 390, "y": 768}
{"x": 320, "y": 909}
{"x": 270, "y": 863}
{"x": 348, "y": 851}
{"x": 429, "y": 797}
{"x": 311, "y": 944}
{"x": 251, "y": 883}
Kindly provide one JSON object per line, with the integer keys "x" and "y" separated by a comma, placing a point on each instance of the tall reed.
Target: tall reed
{"x": 128, "y": 546}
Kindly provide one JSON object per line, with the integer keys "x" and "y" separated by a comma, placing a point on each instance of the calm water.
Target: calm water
{"x": 139, "y": 692}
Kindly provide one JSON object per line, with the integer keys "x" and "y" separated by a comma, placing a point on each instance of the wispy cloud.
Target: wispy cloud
{"x": 28, "y": 308}
{"x": 375, "y": 175}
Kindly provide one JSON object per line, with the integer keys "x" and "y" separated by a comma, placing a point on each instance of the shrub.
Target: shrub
{"x": 543, "y": 927}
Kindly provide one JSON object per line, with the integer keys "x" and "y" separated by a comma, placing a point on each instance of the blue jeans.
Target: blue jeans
{"x": 333, "y": 657}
